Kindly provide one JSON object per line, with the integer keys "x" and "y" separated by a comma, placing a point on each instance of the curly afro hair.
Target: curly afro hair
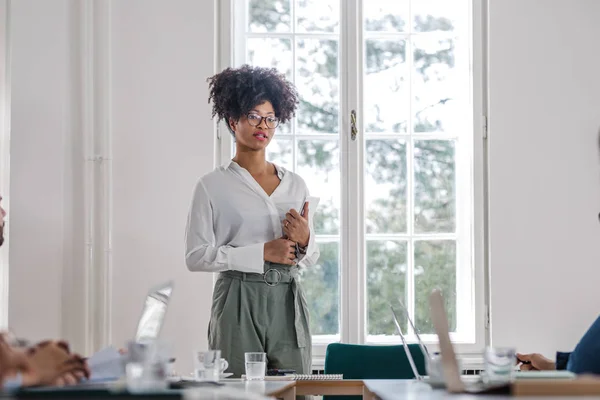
{"x": 235, "y": 91}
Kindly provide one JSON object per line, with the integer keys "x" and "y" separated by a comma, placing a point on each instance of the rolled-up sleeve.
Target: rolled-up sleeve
{"x": 201, "y": 251}
{"x": 13, "y": 384}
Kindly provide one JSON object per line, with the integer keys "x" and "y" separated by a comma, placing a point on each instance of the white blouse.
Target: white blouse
{"x": 231, "y": 218}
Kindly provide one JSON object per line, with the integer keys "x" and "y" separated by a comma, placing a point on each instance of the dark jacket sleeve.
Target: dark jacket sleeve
{"x": 561, "y": 360}
{"x": 586, "y": 356}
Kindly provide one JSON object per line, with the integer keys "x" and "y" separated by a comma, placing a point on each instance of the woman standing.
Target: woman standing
{"x": 248, "y": 221}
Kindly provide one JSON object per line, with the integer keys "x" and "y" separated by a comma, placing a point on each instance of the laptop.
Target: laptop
{"x": 411, "y": 361}
{"x": 452, "y": 377}
{"x": 153, "y": 313}
{"x": 106, "y": 364}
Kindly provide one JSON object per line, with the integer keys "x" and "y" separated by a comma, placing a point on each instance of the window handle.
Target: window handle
{"x": 353, "y": 129}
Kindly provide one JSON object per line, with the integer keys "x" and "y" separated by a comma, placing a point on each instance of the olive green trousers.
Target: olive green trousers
{"x": 261, "y": 313}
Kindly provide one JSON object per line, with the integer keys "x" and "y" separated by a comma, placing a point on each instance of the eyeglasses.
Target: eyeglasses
{"x": 255, "y": 120}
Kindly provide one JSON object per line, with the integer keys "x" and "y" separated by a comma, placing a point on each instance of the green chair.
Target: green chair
{"x": 371, "y": 362}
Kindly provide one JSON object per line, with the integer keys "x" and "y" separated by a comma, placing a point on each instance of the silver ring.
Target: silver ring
{"x": 278, "y": 277}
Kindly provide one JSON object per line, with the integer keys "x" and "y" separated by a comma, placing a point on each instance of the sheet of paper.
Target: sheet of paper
{"x": 313, "y": 203}
{"x": 107, "y": 364}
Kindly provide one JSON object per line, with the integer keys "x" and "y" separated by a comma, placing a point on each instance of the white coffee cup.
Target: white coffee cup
{"x": 208, "y": 365}
{"x": 224, "y": 365}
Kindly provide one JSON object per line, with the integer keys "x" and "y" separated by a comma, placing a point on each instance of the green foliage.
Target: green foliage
{"x": 322, "y": 286}
{"x": 386, "y": 283}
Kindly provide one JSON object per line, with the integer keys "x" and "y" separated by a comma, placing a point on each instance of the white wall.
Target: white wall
{"x": 544, "y": 92}
{"x": 163, "y": 141}
{"x": 41, "y": 167}
{"x": 4, "y": 152}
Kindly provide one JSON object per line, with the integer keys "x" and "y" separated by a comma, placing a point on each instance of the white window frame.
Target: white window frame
{"x": 470, "y": 156}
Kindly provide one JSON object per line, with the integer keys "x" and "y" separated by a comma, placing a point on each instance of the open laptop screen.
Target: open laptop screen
{"x": 153, "y": 313}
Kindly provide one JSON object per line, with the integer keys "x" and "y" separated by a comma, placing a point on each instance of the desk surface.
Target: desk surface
{"x": 403, "y": 389}
{"x": 258, "y": 387}
{"x": 408, "y": 389}
{"x": 383, "y": 389}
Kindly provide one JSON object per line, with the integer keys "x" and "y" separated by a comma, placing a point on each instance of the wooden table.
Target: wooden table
{"x": 391, "y": 389}
{"x": 323, "y": 388}
{"x": 369, "y": 389}
{"x": 288, "y": 390}
{"x": 279, "y": 389}
{"x": 558, "y": 389}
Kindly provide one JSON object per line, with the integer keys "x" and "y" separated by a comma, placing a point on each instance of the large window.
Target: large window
{"x": 385, "y": 136}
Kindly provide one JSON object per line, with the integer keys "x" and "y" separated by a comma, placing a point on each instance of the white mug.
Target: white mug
{"x": 208, "y": 365}
{"x": 224, "y": 365}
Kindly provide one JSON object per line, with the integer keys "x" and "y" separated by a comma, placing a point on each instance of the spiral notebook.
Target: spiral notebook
{"x": 316, "y": 377}
{"x": 303, "y": 377}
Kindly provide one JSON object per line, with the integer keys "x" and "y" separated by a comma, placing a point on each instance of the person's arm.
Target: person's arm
{"x": 585, "y": 358}
{"x": 534, "y": 362}
{"x": 12, "y": 360}
{"x": 201, "y": 253}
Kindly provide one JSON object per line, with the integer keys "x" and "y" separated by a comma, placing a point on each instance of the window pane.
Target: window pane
{"x": 279, "y": 152}
{"x": 321, "y": 285}
{"x": 385, "y": 186}
{"x": 435, "y": 267}
{"x": 269, "y": 15}
{"x": 318, "y": 86}
{"x": 319, "y": 166}
{"x": 385, "y": 15}
{"x": 386, "y": 283}
{"x": 318, "y": 15}
{"x": 438, "y": 15}
{"x": 271, "y": 53}
{"x": 435, "y": 186}
{"x": 386, "y": 86}
{"x": 436, "y": 86}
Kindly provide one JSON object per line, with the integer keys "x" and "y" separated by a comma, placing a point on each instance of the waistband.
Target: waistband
{"x": 274, "y": 274}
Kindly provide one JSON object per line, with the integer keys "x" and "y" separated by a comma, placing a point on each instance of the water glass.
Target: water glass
{"x": 499, "y": 365}
{"x": 146, "y": 366}
{"x": 208, "y": 365}
{"x": 435, "y": 370}
{"x": 256, "y": 365}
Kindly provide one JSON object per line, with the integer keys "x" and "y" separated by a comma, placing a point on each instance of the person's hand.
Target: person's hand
{"x": 50, "y": 363}
{"x": 535, "y": 362}
{"x": 280, "y": 251}
{"x": 295, "y": 226}
{"x": 11, "y": 360}
{"x": 70, "y": 379}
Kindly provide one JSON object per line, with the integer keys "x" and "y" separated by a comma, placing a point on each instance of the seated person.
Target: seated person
{"x": 585, "y": 359}
{"x": 47, "y": 363}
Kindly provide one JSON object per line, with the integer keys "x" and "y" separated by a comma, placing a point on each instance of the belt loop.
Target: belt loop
{"x": 243, "y": 276}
